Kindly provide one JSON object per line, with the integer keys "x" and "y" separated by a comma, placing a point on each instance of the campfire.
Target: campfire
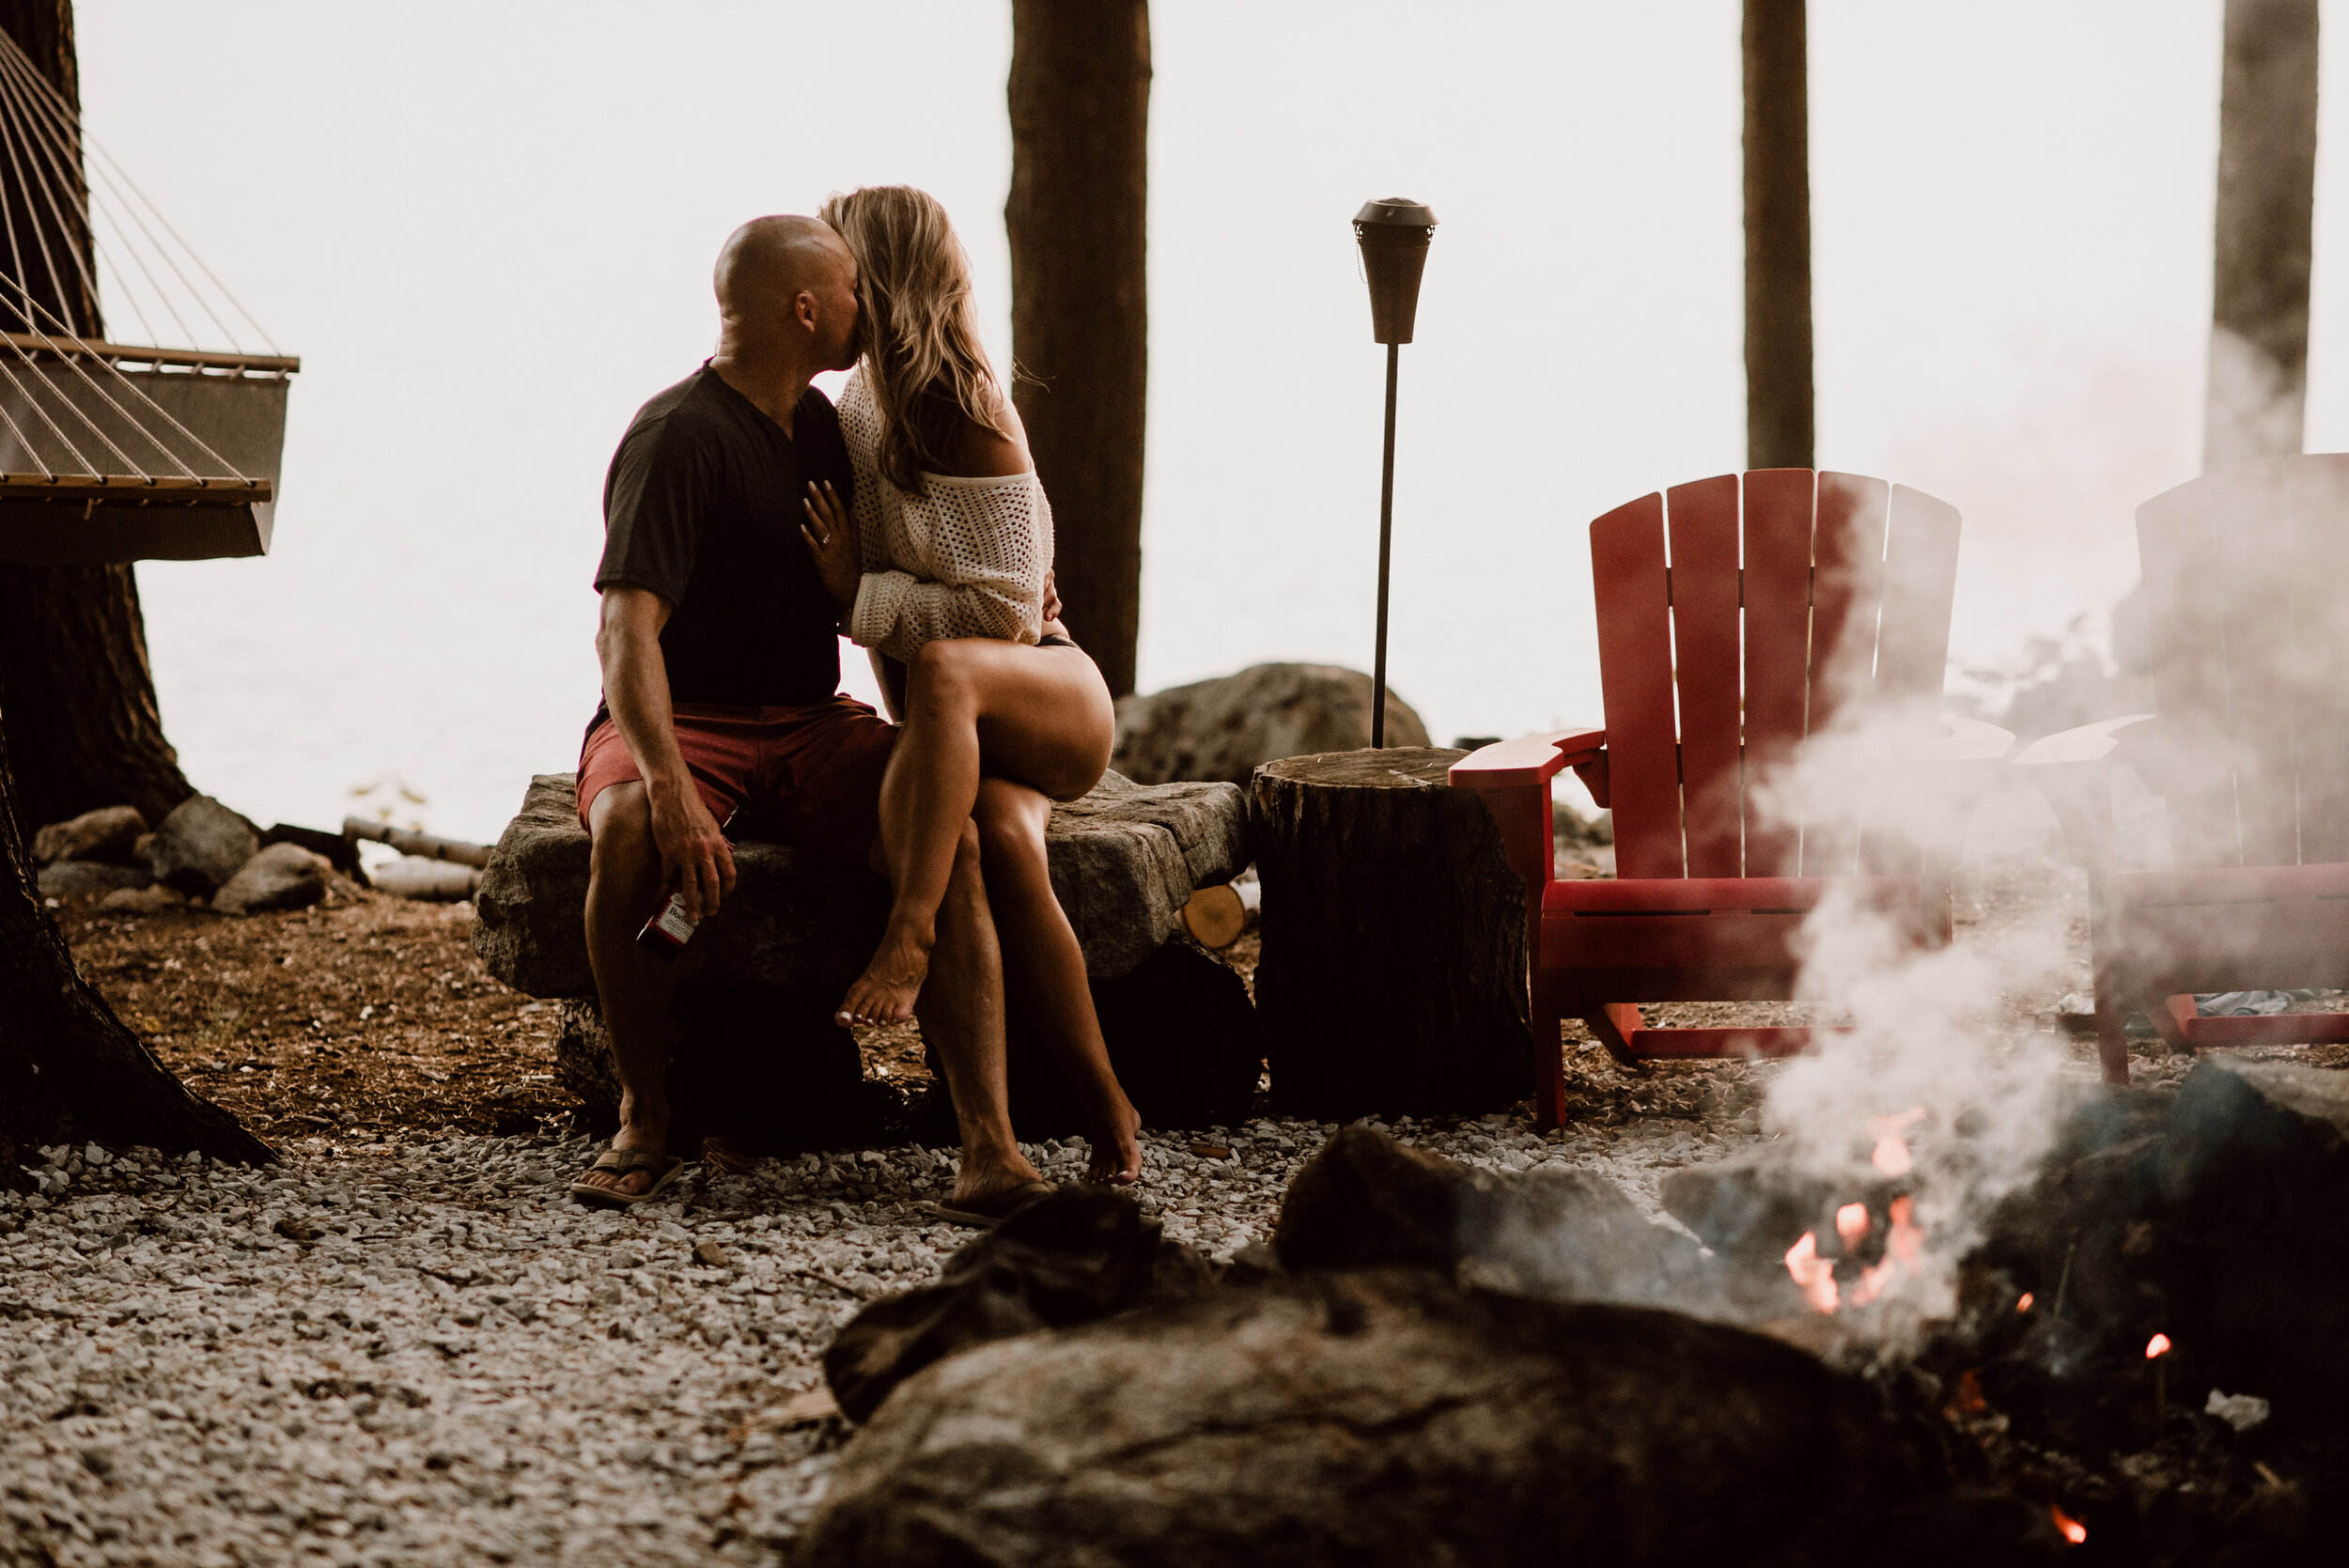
{"x": 1521, "y": 1367}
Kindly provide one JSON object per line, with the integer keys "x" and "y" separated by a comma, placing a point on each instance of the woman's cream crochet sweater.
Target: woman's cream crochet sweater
{"x": 959, "y": 558}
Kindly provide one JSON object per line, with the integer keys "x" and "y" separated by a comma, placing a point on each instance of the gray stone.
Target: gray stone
{"x": 88, "y": 879}
{"x": 1124, "y": 860}
{"x": 151, "y": 900}
{"x": 105, "y": 834}
{"x": 1222, "y": 729}
{"x": 282, "y": 877}
{"x": 1366, "y": 1419}
{"x": 200, "y": 846}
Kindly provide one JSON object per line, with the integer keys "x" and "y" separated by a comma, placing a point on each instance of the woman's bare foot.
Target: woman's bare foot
{"x": 884, "y": 993}
{"x": 1116, "y": 1147}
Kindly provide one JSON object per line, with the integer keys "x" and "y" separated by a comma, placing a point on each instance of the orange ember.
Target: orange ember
{"x": 1813, "y": 1274}
{"x": 1891, "y": 1152}
{"x": 2072, "y": 1529}
{"x": 2024, "y": 1305}
{"x": 1851, "y": 1223}
{"x": 1968, "y": 1400}
{"x": 2157, "y": 1345}
{"x": 1907, "y": 1241}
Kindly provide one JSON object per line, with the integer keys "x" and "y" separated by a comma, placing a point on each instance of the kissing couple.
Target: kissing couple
{"x": 748, "y": 524}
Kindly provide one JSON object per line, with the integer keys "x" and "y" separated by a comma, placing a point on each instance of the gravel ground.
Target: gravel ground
{"x": 425, "y": 1353}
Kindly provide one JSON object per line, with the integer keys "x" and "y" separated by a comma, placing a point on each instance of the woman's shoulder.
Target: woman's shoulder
{"x": 977, "y": 451}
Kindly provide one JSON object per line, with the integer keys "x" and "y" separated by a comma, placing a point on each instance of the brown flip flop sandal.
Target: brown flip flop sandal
{"x": 622, "y": 1162}
{"x": 986, "y": 1213}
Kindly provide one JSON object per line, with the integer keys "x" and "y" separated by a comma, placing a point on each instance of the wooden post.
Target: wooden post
{"x": 1778, "y": 236}
{"x": 1393, "y": 977}
{"x": 2259, "y": 334}
{"x": 1079, "y": 97}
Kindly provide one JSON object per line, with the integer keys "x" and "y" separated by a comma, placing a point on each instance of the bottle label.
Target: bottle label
{"x": 672, "y": 922}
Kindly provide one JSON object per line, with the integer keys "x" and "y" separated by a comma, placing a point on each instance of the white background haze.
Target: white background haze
{"x": 487, "y": 230}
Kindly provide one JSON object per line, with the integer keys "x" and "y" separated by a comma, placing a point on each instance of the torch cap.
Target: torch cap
{"x": 1394, "y": 233}
{"x": 1400, "y": 210}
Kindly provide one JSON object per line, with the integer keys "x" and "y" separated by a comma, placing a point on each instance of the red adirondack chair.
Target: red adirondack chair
{"x": 2245, "y": 572}
{"x": 1736, "y": 617}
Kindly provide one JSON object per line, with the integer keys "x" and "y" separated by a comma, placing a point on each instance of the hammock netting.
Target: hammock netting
{"x": 112, "y": 452}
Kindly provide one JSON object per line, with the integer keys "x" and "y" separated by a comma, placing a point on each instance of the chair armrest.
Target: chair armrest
{"x": 2102, "y": 742}
{"x": 1532, "y": 759}
{"x": 1512, "y": 778}
{"x": 2073, "y": 772}
{"x": 1968, "y": 740}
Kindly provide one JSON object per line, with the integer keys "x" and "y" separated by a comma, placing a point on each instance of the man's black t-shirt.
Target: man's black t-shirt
{"x": 701, "y": 506}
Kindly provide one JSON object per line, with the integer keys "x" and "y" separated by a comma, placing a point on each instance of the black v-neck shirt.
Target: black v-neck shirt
{"x": 701, "y": 506}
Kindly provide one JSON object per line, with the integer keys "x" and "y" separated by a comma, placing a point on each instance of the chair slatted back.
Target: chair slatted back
{"x": 1738, "y": 614}
{"x": 2248, "y": 621}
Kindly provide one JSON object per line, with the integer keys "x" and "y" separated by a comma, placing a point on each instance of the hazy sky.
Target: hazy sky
{"x": 488, "y": 230}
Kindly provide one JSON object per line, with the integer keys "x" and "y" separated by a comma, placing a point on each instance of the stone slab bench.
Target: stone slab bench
{"x": 1124, "y": 860}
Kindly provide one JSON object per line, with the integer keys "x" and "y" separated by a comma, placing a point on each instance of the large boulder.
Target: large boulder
{"x": 1124, "y": 860}
{"x": 105, "y": 834}
{"x": 1219, "y": 730}
{"x": 200, "y": 846}
{"x": 282, "y": 877}
{"x": 1368, "y": 1419}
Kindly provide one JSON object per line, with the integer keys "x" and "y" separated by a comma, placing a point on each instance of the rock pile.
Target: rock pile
{"x": 200, "y": 850}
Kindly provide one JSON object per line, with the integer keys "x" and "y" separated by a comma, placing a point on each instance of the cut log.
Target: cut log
{"x": 1124, "y": 860}
{"x": 421, "y": 846}
{"x": 1215, "y": 917}
{"x": 1393, "y": 977}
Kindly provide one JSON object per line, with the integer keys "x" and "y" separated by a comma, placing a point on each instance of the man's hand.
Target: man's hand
{"x": 1050, "y": 615}
{"x": 832, "y": 540}
{"x": 695, "y": 857}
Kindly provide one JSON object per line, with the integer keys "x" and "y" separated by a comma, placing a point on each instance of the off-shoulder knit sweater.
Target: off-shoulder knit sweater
{"x": 958, "y": 558}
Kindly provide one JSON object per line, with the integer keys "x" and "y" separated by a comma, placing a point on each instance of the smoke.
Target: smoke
{"x": 1931, "y": 1026}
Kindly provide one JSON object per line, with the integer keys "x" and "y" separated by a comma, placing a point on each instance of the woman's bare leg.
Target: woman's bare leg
{"x": 1045, "y": 969}
{"x": 1041, "y": 716}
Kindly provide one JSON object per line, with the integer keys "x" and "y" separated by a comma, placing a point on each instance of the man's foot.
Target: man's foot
{"x": 1116, "y": 1141}
{"x": 884, "y": 993}
{"x": 986, "y": 1213}
{"x": 633, "y": 1182}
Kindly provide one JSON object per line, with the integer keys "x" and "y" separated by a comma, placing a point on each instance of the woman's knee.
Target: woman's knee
{"x": 940, "y": 674}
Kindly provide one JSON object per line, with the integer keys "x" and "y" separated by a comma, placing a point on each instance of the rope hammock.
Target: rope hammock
{"x": 109, "y": 452}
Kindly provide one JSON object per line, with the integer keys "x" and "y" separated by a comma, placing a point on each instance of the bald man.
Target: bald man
{"x": 721, "y": 681}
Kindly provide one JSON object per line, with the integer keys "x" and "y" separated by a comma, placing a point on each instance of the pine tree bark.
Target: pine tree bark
{"x": 1778, "y": 399}
{"x": 2255, "y": 405}
{"x": 70, "y": 1069}
{"x": 1080, "y": 97}
{"x": 74, "y": 681}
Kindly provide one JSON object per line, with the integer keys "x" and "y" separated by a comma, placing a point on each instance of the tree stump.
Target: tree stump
{"x": 1393, "y": 977}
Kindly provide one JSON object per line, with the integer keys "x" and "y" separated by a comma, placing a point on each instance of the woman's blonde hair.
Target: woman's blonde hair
{"x": 920, "y": 327}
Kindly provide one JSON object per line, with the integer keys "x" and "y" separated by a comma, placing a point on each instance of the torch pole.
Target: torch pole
{"x": 1386, "y": 540}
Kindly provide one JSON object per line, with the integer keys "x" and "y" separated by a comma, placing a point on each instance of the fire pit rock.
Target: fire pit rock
{"x": 1367, "y": 1201}
{"x": 1366, "y": 1418}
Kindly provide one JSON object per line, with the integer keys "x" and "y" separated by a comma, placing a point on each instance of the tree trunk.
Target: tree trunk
{"x": 1393, "y": 977}
{"x": 74, "y": 681}
{"x": 1778, "y": 236}
{"x": 2258, "y": 336}
{"x": 69, "y": 1068}
{"x": 1080, "y": 96}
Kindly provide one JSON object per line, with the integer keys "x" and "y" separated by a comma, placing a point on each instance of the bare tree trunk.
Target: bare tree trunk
{"x": 1080, "y": 95}
{"x": 2259, "y": 334}
{"x": 1779, "y": 432}
{"x": 75, "y": 680}
{"x": 69, "y": 1068}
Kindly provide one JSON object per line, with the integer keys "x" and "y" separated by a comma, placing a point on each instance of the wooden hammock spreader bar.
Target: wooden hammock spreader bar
{"x": 207, "y": 359}
{"x": 116, "y": 490}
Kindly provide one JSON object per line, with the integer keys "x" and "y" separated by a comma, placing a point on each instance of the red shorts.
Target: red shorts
{"x": 808, "y": 776}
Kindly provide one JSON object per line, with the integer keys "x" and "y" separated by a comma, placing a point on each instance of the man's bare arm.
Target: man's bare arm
{"x": 695, "y": 857}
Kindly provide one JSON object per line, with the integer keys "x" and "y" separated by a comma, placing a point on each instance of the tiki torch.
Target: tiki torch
{"x": 1393, "y": 233}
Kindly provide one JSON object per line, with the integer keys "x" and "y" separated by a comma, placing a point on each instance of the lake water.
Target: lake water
{"x": 488, "y": 231}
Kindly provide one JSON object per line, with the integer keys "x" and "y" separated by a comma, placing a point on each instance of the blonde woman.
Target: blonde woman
{"x": 944, "y": 571}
